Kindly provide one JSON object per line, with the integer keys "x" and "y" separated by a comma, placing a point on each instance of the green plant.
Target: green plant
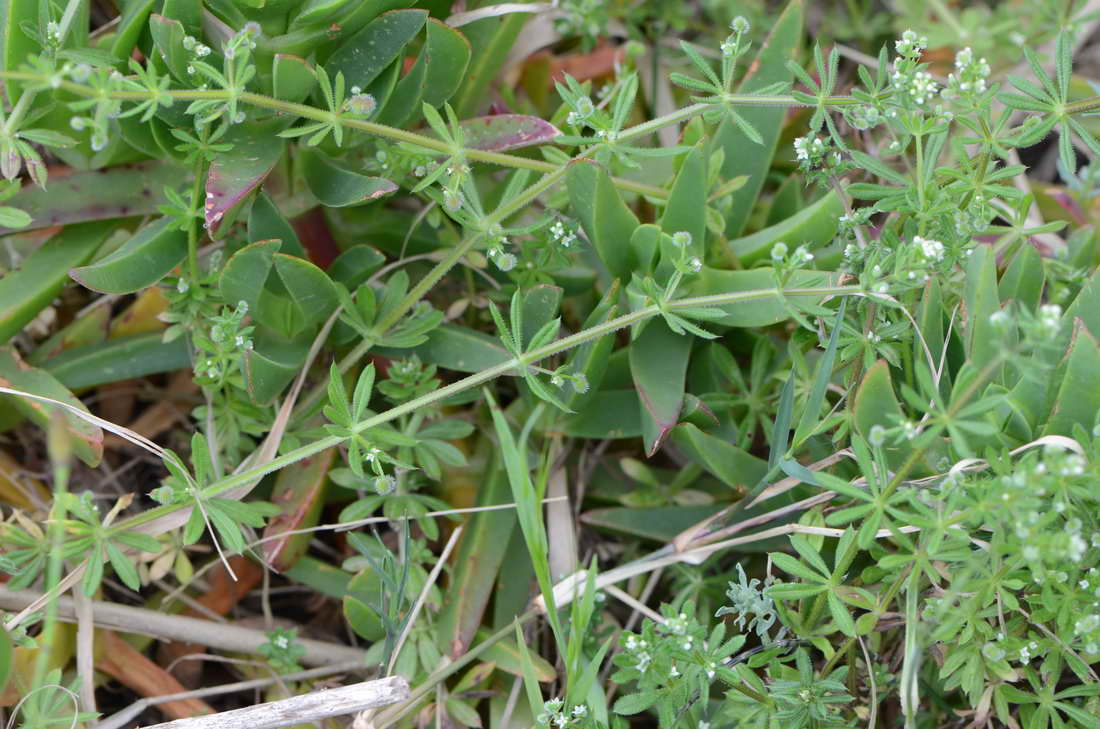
{"x": 853, "y": 334}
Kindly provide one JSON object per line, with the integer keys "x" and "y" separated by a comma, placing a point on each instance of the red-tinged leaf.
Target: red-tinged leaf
{"x": 300, "y": 493}
{"x": 116, "y": 192}
{"x": 336, "y": 187}
{"x": 507, "y": 131}
{"x": 658, "y": 364}
{"x": 236, "y": 173}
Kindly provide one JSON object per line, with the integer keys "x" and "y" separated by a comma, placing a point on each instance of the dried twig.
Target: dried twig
{"x": 298, "y": 709}
{"x": 124, "y": 717}
{"x": 127, "y": 619}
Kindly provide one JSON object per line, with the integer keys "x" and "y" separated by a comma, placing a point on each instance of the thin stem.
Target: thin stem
{"x": 479, "y": 378}
{"x": 56, "y": 536}
{"x": 1090, "y": 104}
{"x": 308, "y": 112}
{"x": 440, "y": 270}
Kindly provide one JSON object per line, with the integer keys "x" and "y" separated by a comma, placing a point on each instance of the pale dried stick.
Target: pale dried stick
{"x": 298, "y": 709}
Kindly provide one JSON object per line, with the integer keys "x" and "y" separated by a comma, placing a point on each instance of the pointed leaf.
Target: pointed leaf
{"x": 364, "y": 56}
{"x": 754, "y": 160}
{"x": 236, "y": 173}
{"x": 141, "y": 261}
{"x": 502, "y": 132}
{"x": 336, "y": 187}
{"x": 658, "y": 365}
{"x": 87, "y": 439}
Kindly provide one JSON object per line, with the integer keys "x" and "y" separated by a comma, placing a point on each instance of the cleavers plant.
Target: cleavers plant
{"x": 853, "y": 333}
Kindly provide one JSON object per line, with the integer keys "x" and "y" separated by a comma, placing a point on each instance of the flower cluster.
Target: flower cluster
{"x": 733, "y": 45}
{"x": 685, "y": 263}
{"x": 554, "y": 714}
{"x": 910, "y": 45}
{"x": 932, "y": 250}
{"x": 799, "y": 258}
{"x": 913, "y": 85}
{"x": 562, "y": 236}
{"x": 970, "y": 77}
{"x": 222, "y": 346}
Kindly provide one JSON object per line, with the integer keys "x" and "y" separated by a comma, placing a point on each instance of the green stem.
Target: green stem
{"x": 1090, "y": 104}
{"x": 400, "y": 135}
{"x": 197, "y": 202}
{"x": 59, "y": 455}
{"x": 477, "y": 379}
{"x": 18, "y": 112}
{"x": 440, "y": 270}
{"x": 953, "y": 409}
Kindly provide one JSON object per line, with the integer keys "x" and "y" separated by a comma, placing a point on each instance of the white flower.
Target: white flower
{"x": 932, "y": 250}
{"x": 877, "y": 436}
{"x": 681, "y": 239}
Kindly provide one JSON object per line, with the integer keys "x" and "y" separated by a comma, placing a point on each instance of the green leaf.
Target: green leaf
{"x": 355, "y": 265}
{"x": 540, "y": 307}
{"x": 13, "y": 218}
{"x": 841, "y": 616}
{"x": 103, "y": 194}
{"x": 658, "y": 365}
{"x": 310, "y": 289}
{"x": 726, "y": 462}
{"x": 6, "y": 657}
{"x": 1023, "y": 281}
{"x": 273, "y": 362}
{"x": 87, "y": 439}
{"x": 292, "y": 78}
{"x": 982, "y": 300}
{"x": 123, "y": 567}
{"x": 244, "y": 274}
{"x": 236, "y": 173}
{"x": 448, "y": 57}
{"x": 792, "y": 566}
{"x": 407, "y": 94}
{"x": 812, "y": 413}
{"x": 117, "y": 359}
{"x": 635, "y": 703}
{"x": 364, "y": 56}
{"x": 686, "y": 207}
{"x": 477, "y": 562}
{"x": 606, "y": 219}
{"x": 607, "y": 414}
{"x": 266, "y": 222}
{"x": 814, "y": 226}
{"x": 30, "y": 288}
{"x": 456, "y": 348}
{"x": 168, "y": 35}
{"x": 754, "y": 160}
{"x": 493, "y": 38}
{"x": 15, "y": 44}
{"x": 336, "y": 187}
{"x": 363, "y": 619}
{"x": 1078, "y": 398}
{"x": 875, "y": 402}
{"x": 140, "y": 262}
